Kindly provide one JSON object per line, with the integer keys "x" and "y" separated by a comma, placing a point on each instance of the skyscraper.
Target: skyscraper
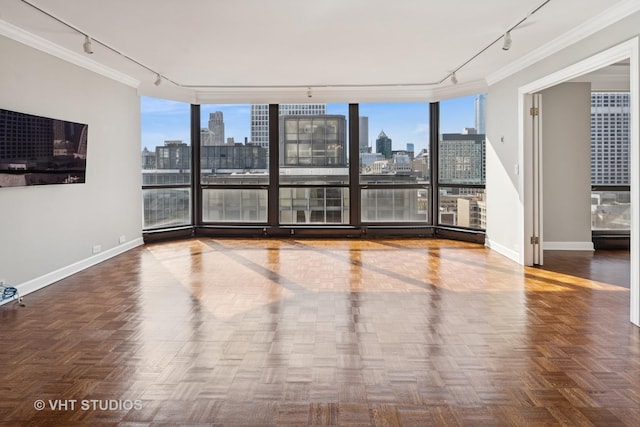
{"x": 610, "y": 138}
{"x": 260, "y": 118}
{"x": 214, "y": 134}
{"x": 363, "y": 129}
{"x": 480, "y": 103}
{"x": 383, "y": 145}
{"x": 462, "y": 158}
{"x": 411, "y": 150}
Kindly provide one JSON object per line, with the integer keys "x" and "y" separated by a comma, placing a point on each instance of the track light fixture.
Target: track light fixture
{"x": 506, "y": 44}
{"x": 158, "y": 80}
{"x": 454, "y": 79}
{"x": 87, "y": 45}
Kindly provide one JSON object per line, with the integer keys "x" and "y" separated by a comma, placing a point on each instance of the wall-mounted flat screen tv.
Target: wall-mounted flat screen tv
{"x": 38, "y": 150}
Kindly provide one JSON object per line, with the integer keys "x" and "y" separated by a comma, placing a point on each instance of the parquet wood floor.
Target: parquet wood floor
{"x": 235, "y": 332}
{"x": 611, "y": 266}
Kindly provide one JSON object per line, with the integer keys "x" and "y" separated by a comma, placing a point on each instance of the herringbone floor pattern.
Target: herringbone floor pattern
{"x": 321, "y": 332}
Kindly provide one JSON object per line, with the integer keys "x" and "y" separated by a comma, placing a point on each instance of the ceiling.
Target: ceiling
{"x": 615, "y": 77}
{"x": 275, "y": 51}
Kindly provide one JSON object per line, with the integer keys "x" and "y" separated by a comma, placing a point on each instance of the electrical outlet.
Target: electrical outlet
{"x": 123, "y": 238}
{"x": 96, "y": 249}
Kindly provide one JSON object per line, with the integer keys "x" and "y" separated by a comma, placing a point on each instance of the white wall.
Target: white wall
{"x": 504, "y": 190}
{"x": 48, "y": 232}
{"x": 566, "y": 164}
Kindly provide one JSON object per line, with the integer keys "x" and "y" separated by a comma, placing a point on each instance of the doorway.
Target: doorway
{"x": 532, "y": 213}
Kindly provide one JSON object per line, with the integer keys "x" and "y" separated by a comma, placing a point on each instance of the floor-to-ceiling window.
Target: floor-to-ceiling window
{"x": 352, "y": 166}
{"x": 461, "y": 163}
{"x": 313, "y": 164}
{"x": 166, "y": 163}
{"x": 394, "y": 162}
{"x": 233, "y": 167}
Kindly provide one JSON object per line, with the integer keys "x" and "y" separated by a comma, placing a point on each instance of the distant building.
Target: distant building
{"x": 411, "y": 149}
{"x": 462, "y": 158}
{"x": 173, "y": 155}
{"x": 380, "y": 167}
{"x": 472, "y": 212}
{"x": 610, "y": 138}
{"x": 214, "y": 134}
{"x": 367, "y": 159}
{"x": 401, "y": 162}
{"x": 480, "y": 105}
{"x": 363, "y": 130}
{"x": 148, "y": 159}
{"x": 313, "y": 141}
{"x": 233, "y": 158}
{"x": 260, "y": 118}
{"x": 216, "y": 126}
{"x": 420, "y": 163}
{"x": 383, "y": 145}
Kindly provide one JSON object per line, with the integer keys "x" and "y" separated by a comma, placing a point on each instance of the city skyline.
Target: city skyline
{"x": 403, "y": 122}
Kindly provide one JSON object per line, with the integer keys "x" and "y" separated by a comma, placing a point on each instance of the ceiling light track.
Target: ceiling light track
{"x": 87, "y": 47}
{"x": 501, "y": 37}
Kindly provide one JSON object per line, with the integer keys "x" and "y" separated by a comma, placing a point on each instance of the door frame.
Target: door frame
{"x": 626, "y": 50}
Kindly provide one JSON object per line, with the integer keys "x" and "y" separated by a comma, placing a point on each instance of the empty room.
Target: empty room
{"x": 336, "y": 213}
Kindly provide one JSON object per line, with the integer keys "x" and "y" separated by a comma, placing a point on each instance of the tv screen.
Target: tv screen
{"x": 38, "y": 150}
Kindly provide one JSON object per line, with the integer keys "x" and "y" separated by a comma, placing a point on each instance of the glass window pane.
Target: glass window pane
{"x": 166, "y": 151}
{"x": 313, "y": 144}
{"x": 228, "y": 153}
{"x": 314, "y": 205}
{"x": 395, "y": 204}
{"x": 166, "y": 161}
{"x": 166, "y": 207}
{"x": 461, "y": 147}
{"x": 241, "y": 205}
{"x": 462, "y": 207}
{"x": 394, "y": 141}
{"x": 610, "y": 210}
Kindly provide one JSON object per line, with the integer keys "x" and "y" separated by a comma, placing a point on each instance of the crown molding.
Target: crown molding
{"x": 624, "y": 50}
{"x": 18, "y": 34}
{"x": 328, "y": 94}
{"x": 608, "y": 17}
{"x": 454, "y": 91}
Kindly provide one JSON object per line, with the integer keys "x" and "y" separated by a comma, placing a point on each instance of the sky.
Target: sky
{"x": 402, "y": 122}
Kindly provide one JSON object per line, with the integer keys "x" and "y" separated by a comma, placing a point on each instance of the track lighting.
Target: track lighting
{"x": 88, "y": 49}
{"x": 87, "y": 45}
{"x": 506, "y": 45}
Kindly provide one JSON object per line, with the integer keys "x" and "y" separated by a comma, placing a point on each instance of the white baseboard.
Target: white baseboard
{"x": 567, "y": 246}
{"x": 503, "y": 250}
{"x": 49, "y": 278}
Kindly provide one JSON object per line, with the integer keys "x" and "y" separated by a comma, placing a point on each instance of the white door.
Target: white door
{"x": 532, "y": 179}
